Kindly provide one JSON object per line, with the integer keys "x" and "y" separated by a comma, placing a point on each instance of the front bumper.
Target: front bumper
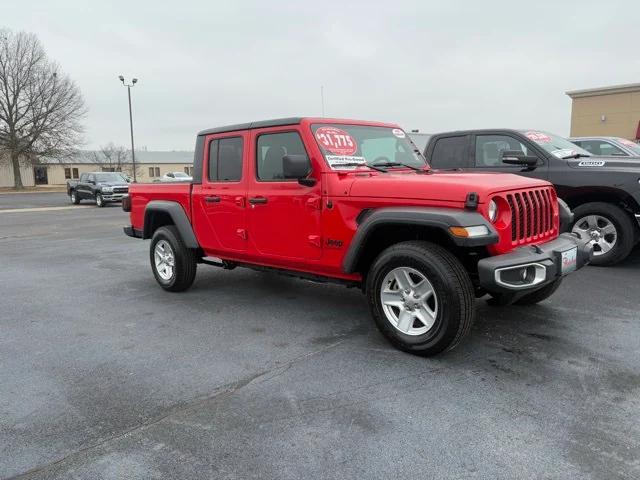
{"x": 531, "y": 267}
{"x": 113, "y": 197}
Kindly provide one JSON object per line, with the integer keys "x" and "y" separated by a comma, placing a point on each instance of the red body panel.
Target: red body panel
{"x": 309, "y": 228}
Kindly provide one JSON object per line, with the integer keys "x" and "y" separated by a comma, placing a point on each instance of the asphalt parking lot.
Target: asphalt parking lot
{"x": 104, "y": 375}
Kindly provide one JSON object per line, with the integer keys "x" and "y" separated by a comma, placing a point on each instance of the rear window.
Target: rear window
{"x": 450, "y": 152}
{"x": 225, "y": 159}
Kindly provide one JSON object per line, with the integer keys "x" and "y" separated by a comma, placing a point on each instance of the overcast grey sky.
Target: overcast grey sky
{"x": 423, "y": 64}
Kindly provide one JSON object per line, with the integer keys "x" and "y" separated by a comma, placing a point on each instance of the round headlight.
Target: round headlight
{"x": 493, "y": 211}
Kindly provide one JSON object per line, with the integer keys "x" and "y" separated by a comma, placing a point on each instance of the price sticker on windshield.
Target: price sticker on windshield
{"x": 336, "y": 141}
{"x": 538, "y": 137}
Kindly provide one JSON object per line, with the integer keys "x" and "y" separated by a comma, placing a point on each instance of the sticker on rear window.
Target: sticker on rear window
{"x": 336, "y": 141}
{"x": 398, "y": 133}
{"x": 538, "y": 137}
{"x": 345, "y": 162}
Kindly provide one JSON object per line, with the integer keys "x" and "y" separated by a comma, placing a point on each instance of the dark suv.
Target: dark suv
{"x": 603, "y": 192}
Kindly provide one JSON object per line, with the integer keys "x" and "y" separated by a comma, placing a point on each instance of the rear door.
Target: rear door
{"x": 283, "y": 215}
{"x": 219, "y": 202}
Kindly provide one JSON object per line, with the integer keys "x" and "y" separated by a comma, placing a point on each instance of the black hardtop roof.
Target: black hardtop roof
{"x": 276, "y": 122}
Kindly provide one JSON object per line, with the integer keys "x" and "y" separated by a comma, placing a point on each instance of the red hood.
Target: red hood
{"x": 443, "y": 186}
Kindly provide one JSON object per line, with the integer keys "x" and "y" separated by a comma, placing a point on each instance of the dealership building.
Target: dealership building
{"x": 150, "y": 166}
{"x": 608, "y": 111}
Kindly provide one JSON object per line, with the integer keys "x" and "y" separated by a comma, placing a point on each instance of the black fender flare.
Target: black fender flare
{"x": 177, "y": 214}
{"x": 440, "y": 218}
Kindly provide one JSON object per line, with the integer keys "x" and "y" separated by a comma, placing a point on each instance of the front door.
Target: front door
{"x": 487, "y": 149}
{"x": 219, "y": 203}
{"x": 283, "y": 215}
{"x": 40, "y": 175}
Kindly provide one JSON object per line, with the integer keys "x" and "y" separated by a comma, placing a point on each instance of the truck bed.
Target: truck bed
{"x": 143, "y": 193}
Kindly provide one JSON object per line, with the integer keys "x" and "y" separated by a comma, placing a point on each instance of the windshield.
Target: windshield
{"x": 180, "y": 175}
{"x": 634, "y": 147}
{"x": 346, "y": 147}
{"x": 109, "y": 177}
{"x": 555, "y": 145}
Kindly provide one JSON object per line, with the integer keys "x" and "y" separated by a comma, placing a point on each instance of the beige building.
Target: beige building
{"x": 608, "y": 111}
{"x": 150, "y": 166}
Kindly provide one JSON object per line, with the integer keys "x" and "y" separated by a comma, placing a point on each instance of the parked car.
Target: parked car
{"x": 608, "y": 146}
{"x": 353, "y": 202}
{"x": 176, "y": 177}
{"x": 100, "y": 187}
{"x": 603, "y": 192}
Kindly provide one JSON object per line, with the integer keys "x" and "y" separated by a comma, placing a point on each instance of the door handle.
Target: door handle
{"x": 255, "y": 200}
{"x": 214, "y": 199}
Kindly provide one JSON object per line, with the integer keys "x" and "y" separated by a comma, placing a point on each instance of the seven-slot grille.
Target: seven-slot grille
{"x": 531, "y": 214}
{"x": 120, "y": 189}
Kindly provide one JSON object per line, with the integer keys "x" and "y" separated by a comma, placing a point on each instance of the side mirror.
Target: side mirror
{"x": 298, "y": 167}
{"x": 518, "y": 157}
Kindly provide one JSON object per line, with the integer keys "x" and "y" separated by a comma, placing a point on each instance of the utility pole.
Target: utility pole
{"x": 133, "y": 150}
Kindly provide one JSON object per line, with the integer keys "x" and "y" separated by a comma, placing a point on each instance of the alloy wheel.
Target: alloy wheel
{"x": 409, "y": 301}
{"x": 601, "y": 230}
{"x": 164, "y": 259}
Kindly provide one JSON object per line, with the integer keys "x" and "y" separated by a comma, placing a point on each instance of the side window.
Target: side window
{"x": 84, "y": 177}
{"x": 450, "y": 152}
{"x": 270, "y": 149}
{"x": 599, "y": 147}
{"x": 225, "y": 159}
{"x": 489, "y": 147}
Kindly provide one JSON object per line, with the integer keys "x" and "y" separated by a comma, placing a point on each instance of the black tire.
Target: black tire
{"x": 185, "y": 261}
{"x": 540, "y": 295}
{"x": 626, "y": 231}
{"x": 453, "y": 291}
{"x": 99, "y": 200}
{"x": 75, "y": 199}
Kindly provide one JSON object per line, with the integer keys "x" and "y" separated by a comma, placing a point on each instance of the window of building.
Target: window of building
{"x": 154, "y": 172}
{"x": 450, "y": 152}
{"x": 188, "y": 171}
{"x": 271, "y": 148}
{"x": 489, "y": 148}
{"x": 225, "y": 159}
{"x": 74, "y": 172}
{"x": 67, "y": 173}
{"x": 108, "y": 169}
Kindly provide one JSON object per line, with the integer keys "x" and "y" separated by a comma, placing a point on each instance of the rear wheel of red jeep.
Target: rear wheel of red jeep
{"x": 173, "y": 264}
{"x": 420, "y": 297}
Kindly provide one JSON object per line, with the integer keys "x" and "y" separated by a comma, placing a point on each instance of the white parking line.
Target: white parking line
{"x": 42, "y": 209}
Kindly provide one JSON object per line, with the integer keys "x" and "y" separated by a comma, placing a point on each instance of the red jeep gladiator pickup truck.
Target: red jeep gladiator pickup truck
{"x": 355, "y": 202}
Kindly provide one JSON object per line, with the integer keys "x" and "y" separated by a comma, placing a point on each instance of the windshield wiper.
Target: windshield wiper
{"x": 396, "y": 164}
{"x": 356, "y": 164}
{"x": 575, "y": 155}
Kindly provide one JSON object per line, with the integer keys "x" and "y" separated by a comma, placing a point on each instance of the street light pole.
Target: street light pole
{"x": 133, "y": 151}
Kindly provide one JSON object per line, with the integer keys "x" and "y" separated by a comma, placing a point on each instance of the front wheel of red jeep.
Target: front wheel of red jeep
{"x": 420, "y": 297}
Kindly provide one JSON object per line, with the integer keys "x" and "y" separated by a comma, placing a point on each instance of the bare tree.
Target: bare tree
{"x": 40, "y": 107}
{"x": 114, "y": 157}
